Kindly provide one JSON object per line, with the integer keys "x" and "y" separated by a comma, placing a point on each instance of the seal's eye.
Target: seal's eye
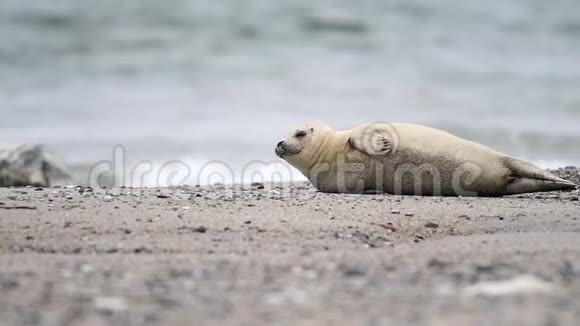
{"x": 300, "y": 134}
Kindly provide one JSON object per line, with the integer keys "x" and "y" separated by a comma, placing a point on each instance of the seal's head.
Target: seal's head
{"x": 301, "y": 145}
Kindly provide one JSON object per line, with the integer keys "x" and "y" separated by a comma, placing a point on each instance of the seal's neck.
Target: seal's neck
{"x": 326, "y": 151}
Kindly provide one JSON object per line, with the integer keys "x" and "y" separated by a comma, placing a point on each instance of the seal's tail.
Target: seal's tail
{"x": 530, "y": 178}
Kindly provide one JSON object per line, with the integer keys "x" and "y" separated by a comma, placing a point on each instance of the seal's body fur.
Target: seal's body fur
{"x": 412, "y": 160}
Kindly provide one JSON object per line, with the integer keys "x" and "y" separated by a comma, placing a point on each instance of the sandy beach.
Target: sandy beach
{"x": 163, "y": 96}
{"x": 286, "y": 256}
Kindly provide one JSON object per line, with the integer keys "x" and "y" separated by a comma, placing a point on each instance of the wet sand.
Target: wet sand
{"x": 189, "y": 255}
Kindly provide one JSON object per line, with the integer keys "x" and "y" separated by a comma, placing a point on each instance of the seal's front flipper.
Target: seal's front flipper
{"x": 530, "y": 178}
{"x": 372, "y": 140}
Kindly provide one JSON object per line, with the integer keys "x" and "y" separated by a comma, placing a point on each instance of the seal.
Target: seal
{"x": 408, "y": 159}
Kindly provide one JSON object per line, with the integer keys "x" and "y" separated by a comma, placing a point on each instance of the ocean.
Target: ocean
{"x": 191, "y": 82}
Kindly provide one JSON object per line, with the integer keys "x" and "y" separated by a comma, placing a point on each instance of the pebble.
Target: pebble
{"x": 107, "y": 198}
{"x": 432, "y": 225}
{"x": 410, "y": 214}
{"x": 388, "y": 227}
{"x": 111, "y": 304}
{"x": 395, "y": 211}
{"x": 257, "y": 185}
{"x": 200, "y": 229}
{"x": 353, "y": 271}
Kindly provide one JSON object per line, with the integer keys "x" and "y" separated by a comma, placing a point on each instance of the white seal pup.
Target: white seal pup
{"x": 408, "y": 159}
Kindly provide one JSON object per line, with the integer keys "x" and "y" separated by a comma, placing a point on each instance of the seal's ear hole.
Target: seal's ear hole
{"x": 311, "y": 129}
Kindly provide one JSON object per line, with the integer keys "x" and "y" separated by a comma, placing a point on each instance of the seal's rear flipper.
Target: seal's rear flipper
{"x": 523, "y": 185}
{"x": 530, "y": 178}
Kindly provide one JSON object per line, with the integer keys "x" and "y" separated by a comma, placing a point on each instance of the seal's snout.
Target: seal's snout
{"x": 287, "y": 148}
{"x": 280, "y": 148}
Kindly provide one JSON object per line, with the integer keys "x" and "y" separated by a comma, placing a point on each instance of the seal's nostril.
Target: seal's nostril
{"x": 280, "y": 143}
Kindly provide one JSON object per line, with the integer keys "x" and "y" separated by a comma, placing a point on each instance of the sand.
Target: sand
{"x": 286, "y": 256}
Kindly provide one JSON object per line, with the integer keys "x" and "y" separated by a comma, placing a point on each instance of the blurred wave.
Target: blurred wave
{"x": 225, "y": 80}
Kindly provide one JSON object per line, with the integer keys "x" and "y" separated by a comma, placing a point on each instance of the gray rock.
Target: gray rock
{"x": 24, "y": 165}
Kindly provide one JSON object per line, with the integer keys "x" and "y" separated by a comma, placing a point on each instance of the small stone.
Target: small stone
{"x": 142, "y": 250}
{"x": 388, "y": 227}
{"x": 107, "y": 198}
{"x": 162, "y": 196}
{"x": 199, "y": 229}
{"x": 431, "y": 225}
{"x": 86, "y": 268}
{"x": 395, "y": 211}
{"x": 353, "y": 271}
{"x": 111, "y": 304}
{"x": 9, "y": 284}
{"x": 258, "y": 185}
{"x": 409, "y": 214}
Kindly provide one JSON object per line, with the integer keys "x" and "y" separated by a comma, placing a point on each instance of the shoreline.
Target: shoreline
{"x": 172, "y": 256}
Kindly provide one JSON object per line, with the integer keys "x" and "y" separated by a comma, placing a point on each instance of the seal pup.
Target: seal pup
{"x": 408, "y": 159}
